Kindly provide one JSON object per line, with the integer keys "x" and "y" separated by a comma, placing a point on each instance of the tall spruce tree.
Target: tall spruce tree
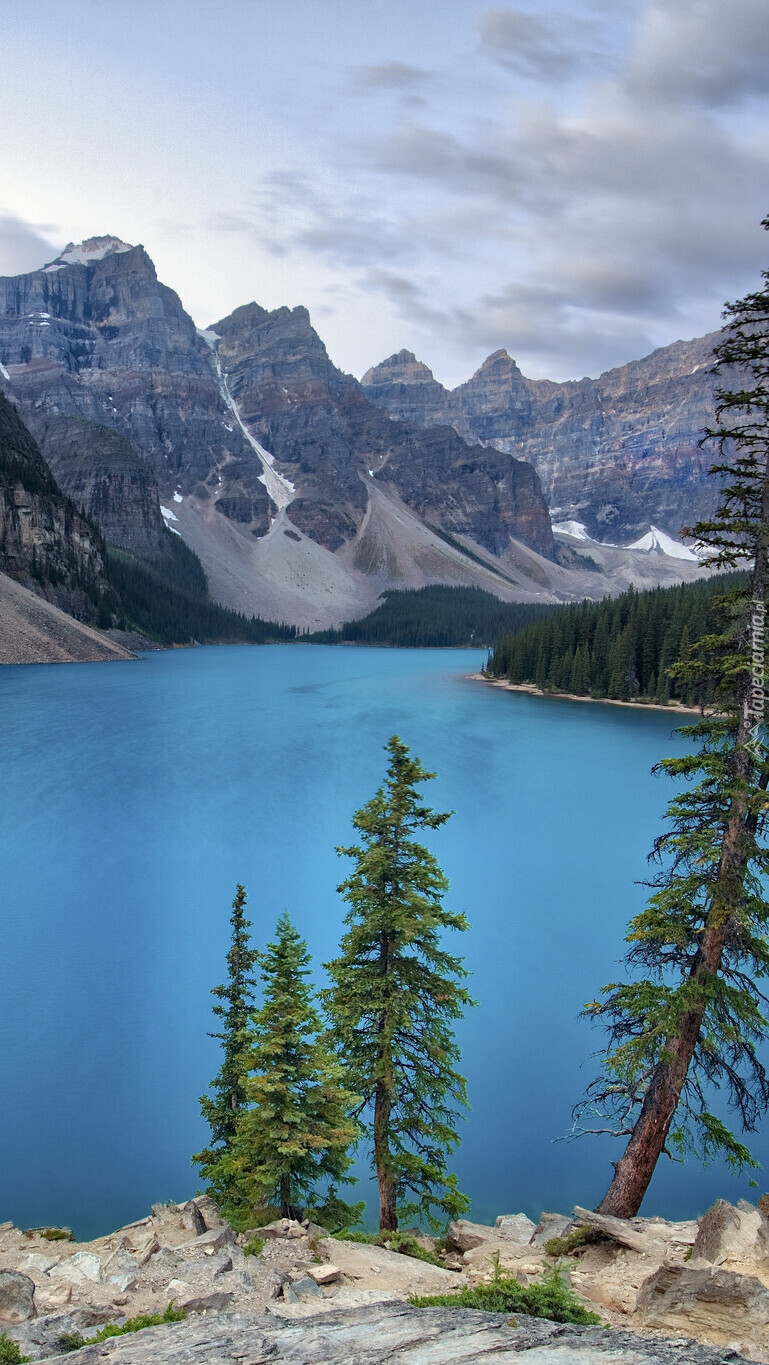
{"x": 292, "y": 1141}
{"x": 395, "y": 995}
{"x": 234, "y": 1004}
{"x": 691, "y": 1023}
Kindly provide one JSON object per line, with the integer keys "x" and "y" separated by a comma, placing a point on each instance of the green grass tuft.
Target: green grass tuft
{"x": 73, "y": 1340}
{"x": 402, "y": 1242}
{"x": 575, "y": 1241}
{"x": 549, "y": 1298}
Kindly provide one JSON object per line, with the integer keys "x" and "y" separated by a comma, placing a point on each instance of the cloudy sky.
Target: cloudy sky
{"x": 578, "y": 181}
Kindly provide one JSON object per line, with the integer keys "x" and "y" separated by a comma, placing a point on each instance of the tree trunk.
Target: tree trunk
{"x": 285, "y": 1197}
{"x": 633, "y": 1172}
{"x": 388, "y": 1219}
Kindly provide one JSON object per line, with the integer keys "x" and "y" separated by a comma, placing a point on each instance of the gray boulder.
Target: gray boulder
{"x": 464, "y": 1235}
{"x": 712, "y": 1302}
{"x": 282, "y": 1227}
{"x": 83, "y": 1267}
{"x": 17, "y": 1296}
{"x": 303, "y": 1288}
{"x": 34, "y": 1261}
{"x": 729, "y": 1233}
{"x": 42, "y": 1337}
{"x": 515, "y": 1227}
{"x": 208, "y": 1265}
{"x": 208, "y": 1212}
{"x": 207, "y": 1244}
{"x": 207, "y": 1303}
{"x": 550, "y": 1225}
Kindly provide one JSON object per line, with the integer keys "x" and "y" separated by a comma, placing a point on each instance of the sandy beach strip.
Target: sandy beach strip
{"x": 673, "y": 709}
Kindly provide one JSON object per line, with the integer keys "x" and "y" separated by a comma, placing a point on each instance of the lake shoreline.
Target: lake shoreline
{"x": 533, "y": 691}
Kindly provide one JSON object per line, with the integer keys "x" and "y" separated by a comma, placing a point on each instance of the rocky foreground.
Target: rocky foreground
{"x": 308, "y": 1298}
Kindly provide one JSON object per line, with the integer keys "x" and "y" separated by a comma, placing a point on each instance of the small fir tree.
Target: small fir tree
{"x": 394, "y": 996}
{"x": 234, "y": 1004}
{"x": 292, "y": 1142}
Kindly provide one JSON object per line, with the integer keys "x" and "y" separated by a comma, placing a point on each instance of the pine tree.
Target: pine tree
{"x": 692, "y": 1023}
{"x": 223, "y": 1106}
{"x": 292, "y": 1141}
{"x": 395, "y": 995}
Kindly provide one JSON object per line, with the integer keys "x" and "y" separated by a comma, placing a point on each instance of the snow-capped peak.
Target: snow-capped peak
{"x": 656, "y": 540}
{"x": 85, "y": 253}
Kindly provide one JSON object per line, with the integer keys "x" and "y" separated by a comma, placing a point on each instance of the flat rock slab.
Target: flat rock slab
{"x": 393, "y": 1333}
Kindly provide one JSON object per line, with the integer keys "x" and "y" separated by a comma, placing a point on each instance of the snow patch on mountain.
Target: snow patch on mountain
{"x": 281, "y": 490}
{"x": 85, "y": 253}
{"x": 575, "y": 529}
{"x": 656, "y": 541}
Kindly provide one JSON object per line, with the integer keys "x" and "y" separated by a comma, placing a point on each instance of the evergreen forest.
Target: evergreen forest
{"x": 165, "y": 597}
{"x": 621, "y": 649}
{"x": 436, "y": 617}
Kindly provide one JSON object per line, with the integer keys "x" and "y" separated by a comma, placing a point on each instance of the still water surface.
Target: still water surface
{"x": 135, "y": 796}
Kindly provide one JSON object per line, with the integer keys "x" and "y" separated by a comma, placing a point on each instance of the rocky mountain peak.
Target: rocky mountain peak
{"x": 280, "y": 346}
{"x": 88, "y": 252}
{"x": 497, "y": 368}
{"x": 496, "y": 397}
{"x": 403, "y": 368}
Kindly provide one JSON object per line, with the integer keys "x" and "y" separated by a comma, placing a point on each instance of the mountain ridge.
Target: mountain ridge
{"x": 614, "y": 453}
{"x": 304, "y": 498}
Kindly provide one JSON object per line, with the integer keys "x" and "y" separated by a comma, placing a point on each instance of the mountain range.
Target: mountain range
{"x": 306, "y": 493}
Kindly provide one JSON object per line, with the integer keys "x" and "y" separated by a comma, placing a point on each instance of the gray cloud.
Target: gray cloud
{"x": 589, "y": 229}
{"x": 23, "y": 247}
{"x": 292, "y": 213}
{"x": 703, "y": 50}
{"x": 411, "y": 299}
{"x": 399, "y": 76}
{"x": 545, "y": 49}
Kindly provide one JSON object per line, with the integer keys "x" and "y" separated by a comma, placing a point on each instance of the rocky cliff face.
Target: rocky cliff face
{"x": 103, "y": 474}
{"x": 617, "y": 453}
{"x": 96, "y": 336}
{"x": 45, "y": 544}
{"x": 329, "y": 438}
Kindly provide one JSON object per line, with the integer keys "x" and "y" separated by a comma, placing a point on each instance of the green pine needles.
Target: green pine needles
{"x": 222, "y": 1108}
{"x": 289, "y": 1100}
{"x": 395, "y": 994}
{"x": 294, "y": 1137}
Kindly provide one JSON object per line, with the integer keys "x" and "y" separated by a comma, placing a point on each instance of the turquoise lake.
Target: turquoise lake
{"x": 135, "y": 796}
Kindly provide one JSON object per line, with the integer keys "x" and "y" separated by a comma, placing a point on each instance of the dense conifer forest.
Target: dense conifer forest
{"x": 165, "y": 597}
{"x": 620, "y": 648}
{"x": 436, "y": 617}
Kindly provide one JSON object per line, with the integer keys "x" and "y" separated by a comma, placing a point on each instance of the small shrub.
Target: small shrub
{"x": 10, "y": 1353}
{"x": 111, "y": 1329}
{"x": 549, "y": 1298}
{"x": 579, "y": 1239}
{"x": 407, "y": 1245}
{"x": 71, "y": 1341}
{"x": 254, "y": 1246}
{"x": 335, "y": 1213}
{"x": 403, "y": 1242}
{"x": 57, "y": 1234}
